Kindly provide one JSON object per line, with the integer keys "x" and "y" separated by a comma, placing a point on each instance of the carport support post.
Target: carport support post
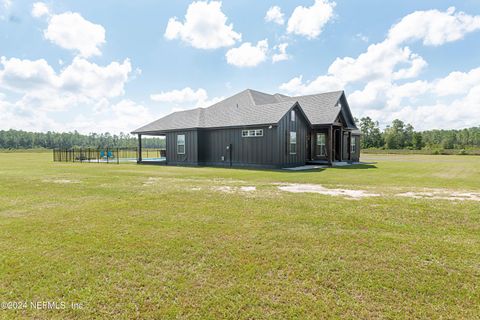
{"x": 330, "y": 144}
{"x": 139, "y": 148}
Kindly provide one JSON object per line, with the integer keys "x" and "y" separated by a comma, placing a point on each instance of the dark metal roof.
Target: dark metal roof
{"x": 250, "y": 107}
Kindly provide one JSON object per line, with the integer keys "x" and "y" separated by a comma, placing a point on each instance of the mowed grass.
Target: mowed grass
{"x": 131, "y": 241}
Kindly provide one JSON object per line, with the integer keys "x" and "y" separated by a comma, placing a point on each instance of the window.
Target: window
{"x": 321, "y": 146}
{"x": 292, "y": 115}
{"x": 293, "y": 142}
{"x": 353, "y": 146}
{"x": 181, "y": 144}
{"x": 252, "y": 133}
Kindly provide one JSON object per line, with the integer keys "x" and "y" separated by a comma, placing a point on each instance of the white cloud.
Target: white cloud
{"x": 5, "y": 6}
{"x": 93, "y": 81}
{"x": 282, "y": 53}
{"x": 26, "y": 75}
{"x": 422, "y": 103}
{"x": 457, "y": 83}
{"x": 274, "y": 14}
{"x": 123, "y": 116}
{"x": 40, "y": 9}
{"x": 185, "y": 98}
{"x": 380, "y": 61}
{"x": 409, "y": 91}
{"x": 248, "y": 55}
{"x": 416, "y": 65}
{"x": 71, "y": 31}
{"x": 459, "y": 113}
{"x": 388, "y": 60}
{"x": 44, "y": 92}
{"x": 205, "y": 27}
{"x": 296, "y": 86}
{"x": 309, "y": 21}
{"x": 80, "y": 82}
{"x": 185, "y": 95}
{"x": 380, "y": 72}
{"x": 362, "y": 37}
{"x": 434, "y": 27}
{"x": 6, "y": 3}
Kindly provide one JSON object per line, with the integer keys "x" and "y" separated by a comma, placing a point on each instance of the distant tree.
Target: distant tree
{"x": 417, "y": 141}
{"x": 18, "y": 139}
{"x": 371, "y": 134}
{"x": 408, "y": 136}
{"x": 394, "y": 135}
{"x": 448, "y": 141}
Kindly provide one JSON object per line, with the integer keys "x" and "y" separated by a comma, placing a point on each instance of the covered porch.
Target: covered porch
{"x": 147, "y": 155}
{"x": 330, "y": 144}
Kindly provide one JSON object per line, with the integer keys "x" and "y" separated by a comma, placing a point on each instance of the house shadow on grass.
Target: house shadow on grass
{"x": 345, "y": 167}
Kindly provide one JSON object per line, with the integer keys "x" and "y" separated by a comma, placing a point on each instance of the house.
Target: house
{"x": 256, "y": 129}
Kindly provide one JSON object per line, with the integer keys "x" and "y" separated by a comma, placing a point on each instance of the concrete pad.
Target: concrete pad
{"x": 340, "y": 164}
{"x": 306, "y": 167}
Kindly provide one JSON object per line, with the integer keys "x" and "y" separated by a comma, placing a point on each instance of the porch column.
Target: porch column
{"x": 330, "y": 143}
{"x": 341, "y": 144}
{"x": 139, "y": 148}
{"x": 350, "y": 145}
{"x": 313, "y": 152}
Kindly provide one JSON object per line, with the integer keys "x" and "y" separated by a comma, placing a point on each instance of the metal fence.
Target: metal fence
{"x": 107, "y": 155}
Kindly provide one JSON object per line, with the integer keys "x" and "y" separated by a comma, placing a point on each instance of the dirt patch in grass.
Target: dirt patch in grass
{"x": 228, "y": 186}
{"x": 442, "y": 195}
{"x": 226, "y": 189}
{"x": 61, "y": 181}
{"x": 248, "y": 188}
{"x": 316, "y": 188}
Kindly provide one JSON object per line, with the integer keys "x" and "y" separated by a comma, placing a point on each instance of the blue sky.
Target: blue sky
{"x": 97, "y": 66}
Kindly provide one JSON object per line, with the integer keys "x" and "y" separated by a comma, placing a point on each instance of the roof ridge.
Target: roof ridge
{"x": 249, "y": 91}
{"x": 278, "y": 102}
{"x": 318, "y": 94}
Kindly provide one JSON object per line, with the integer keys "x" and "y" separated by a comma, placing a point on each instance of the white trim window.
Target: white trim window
{"x": 293, "y": 142}
{"x": 353, "y": 145}
{"x": 321, "y": 144}
{"x": 181, "y": 144}
{"x": 252, "y": 133}
{"x": 292, "y": 115}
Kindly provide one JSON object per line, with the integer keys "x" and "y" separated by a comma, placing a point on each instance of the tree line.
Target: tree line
{"x": 399, "y": 135}
{"x": 19, "y": 139}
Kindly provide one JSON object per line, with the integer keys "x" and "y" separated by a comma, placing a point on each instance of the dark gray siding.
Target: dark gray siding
{"x": 191, "y": 148}
{"x": 245, "y": 151}
{"x": 301, "y": 127}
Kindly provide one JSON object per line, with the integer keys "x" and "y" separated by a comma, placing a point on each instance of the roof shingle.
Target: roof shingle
{"x": 249, "y": 107}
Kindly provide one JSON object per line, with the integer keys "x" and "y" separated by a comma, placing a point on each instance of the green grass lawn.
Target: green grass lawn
{"x": 131, "y": 241}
